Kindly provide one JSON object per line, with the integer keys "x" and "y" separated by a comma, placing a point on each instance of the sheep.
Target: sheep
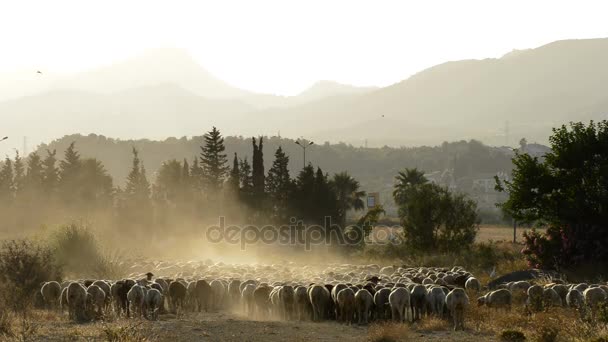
{"x": 364, "y": 302}
{"x": 136, "y": 296}
{"x": 119, "y": 292}
{"x": 551, "y": 298}
{"x": 320, "y": 298}
{"x": 399, "y": 301}
{"x": 562, "y": 291}
{"x": 217, "y": 294}
{"x": 51, "y": 292}
{"x": 77, "y": 301}
{"x": 575, "y": 299}
{"x": 535, "y": 297}
{"x": 202, "y": 294}
{"x": 594, "y": 296}
{"x": 98, "y": 298}
{"x": 287, "y": 301}
{"x": 177, "y": 296}
{"x": 234, "y": 293}
{"x": 472, "y": 284}
{"x": 301, "y": 301}
{"x": 382, "y": 304}
{"x": 456, "y": 302}
{"x": 417, "y": 301}
{"x": 107, "y": 290}
{"x": 345, "y": 300}
{"x": 248, "y": 299}
{"x": 496, "y": 299}
{"x": 152, "y": 302}
{"x": 436, "y": 298}
{"x": 261, "y": 296}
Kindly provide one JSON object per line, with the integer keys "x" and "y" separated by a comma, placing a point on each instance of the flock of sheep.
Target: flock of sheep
{"x": 345, "y": 293}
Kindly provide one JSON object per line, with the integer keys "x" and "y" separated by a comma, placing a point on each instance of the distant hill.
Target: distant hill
{"x": 166, "y": 93}
{"x": 533, "y": 90}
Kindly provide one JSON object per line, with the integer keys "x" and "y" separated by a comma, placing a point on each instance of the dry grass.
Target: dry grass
{"x": 388, "y": 332}
{"x": 433, "y": 323}
{"x": 500, "y": 233}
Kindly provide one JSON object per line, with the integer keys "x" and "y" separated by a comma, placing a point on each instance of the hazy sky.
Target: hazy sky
{"x": 284, "y": 46}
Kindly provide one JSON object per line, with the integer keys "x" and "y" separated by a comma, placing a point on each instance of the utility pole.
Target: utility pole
{"x": 304, "y": 145}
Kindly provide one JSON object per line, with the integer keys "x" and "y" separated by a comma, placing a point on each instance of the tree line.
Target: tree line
{"x": 207, "y": 186}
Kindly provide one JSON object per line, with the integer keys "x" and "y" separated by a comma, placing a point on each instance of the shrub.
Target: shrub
{"x": 78, "y": 250}
{"x": 24, "y": 266}
{"x": 126, "y": 333}
{"x": 512, "y": 336}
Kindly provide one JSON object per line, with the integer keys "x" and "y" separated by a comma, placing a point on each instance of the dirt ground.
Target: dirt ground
{"x": 223, "y": 326}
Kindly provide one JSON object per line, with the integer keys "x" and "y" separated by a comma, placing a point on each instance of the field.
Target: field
{"x": 500, "y": 233}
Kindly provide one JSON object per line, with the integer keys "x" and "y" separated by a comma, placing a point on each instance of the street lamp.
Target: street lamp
{"x": 304, "y": 145}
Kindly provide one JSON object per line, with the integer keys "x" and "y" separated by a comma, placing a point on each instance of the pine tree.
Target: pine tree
{"x": 34, "y": 178}
{"x": 303, "y": 196}
{"x": 19, "y": 176}
{"x": 50, "y": 174}
{"x": 213, "y": 160}
{"x": 7, "y": 181}
{"x": 69, "y": 174}
{"x": 278, "y": 184}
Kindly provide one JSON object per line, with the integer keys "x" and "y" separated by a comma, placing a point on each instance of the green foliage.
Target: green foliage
{"x": 279, "y": 185}
{"x": 24, "y": 265}
{"x": 434, "y": 218}
{"x": 566, "y": 191}
{"x": 348, "y": 195}
{"x": 257, "y": 170}
{"x": 80, "y": 254}
{"x": 512, "y": 336}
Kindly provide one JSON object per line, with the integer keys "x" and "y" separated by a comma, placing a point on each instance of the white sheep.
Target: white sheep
{"x": 456, "y": 302}
{"x": 136, "y": 296}
{"x": 399, "y": 301}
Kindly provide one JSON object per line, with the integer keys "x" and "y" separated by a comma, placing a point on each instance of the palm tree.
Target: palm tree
{"x": 348, "y": 195}
{"x": 405, "y": 180}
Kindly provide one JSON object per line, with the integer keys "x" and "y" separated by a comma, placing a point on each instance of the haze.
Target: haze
{"x": 282, "y": 47}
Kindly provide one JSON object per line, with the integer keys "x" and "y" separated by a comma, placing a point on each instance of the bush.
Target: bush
{"x": 77, "y": 249}
{"x": 512, "y": 336}
{"x": 24, "y": 266}
{"x": 388, "y": 332}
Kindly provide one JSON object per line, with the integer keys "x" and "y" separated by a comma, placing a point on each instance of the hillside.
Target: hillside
{"x": 166, "y": 93}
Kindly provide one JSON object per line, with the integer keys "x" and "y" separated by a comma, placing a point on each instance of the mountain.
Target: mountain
{"x": 324, "y": 89}
{"x": 529, "y": 92}
{"x": 166, "y": 93}
{"x": 145, "y": 112}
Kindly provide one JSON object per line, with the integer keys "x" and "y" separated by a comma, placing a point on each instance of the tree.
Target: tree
{"x": 567, "y": 192}
{"x": 435, "y": 219}
{"x": 235, "y": 175}
{"x": 19, "y": 176}
{"x": 304, "y": 195}
{"x": 257, "y": 171}
{"x": 137, "y": 188}
{"x": 7, "y": 181}
{"x": 348, "y": 195}
{"x": 69, "y": 174}
{"x": 405, "y": 180}
{"x": 96, "y": 186}
{"x": 34, "y": 177}
{"x": 278, "y": 184}
{"x": 246, "y": 181}
{"x": 213, "y": 160}
{"x": 50, "y": 173}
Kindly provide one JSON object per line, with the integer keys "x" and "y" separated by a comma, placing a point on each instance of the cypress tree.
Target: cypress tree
{"x": 235, "y": 175}
{"x": 34, "y": 177}
{"x": 138, "y": 187}
{"x": 213, "y": 160}
{"x": 258, "y": 169}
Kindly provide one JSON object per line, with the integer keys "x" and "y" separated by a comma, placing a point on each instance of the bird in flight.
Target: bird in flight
{"x": 39, "y": 72}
